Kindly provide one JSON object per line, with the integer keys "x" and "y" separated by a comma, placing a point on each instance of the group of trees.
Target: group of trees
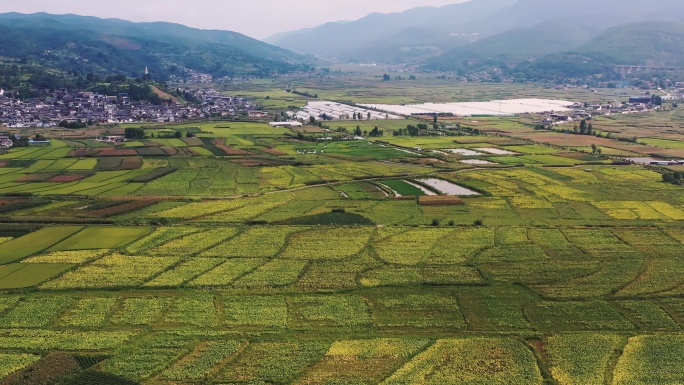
{"x": 412, "y": 130}
{"x": 657, "y": 100}
{"x": 387, "y": 77}
{"x": 305, "y": 94}
{"x": 134, "y": 133}
{"x": 376, "y": 132}
{"x": 74, "y": 125}
{"x": 674, "y": 177}
{"x": 584, "y": 128}
{"x": 359, "y": 116}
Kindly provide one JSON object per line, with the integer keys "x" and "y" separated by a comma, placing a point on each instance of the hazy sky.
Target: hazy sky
{"x": 256, "y": 18}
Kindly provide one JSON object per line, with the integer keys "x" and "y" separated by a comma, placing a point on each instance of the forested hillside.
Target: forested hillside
{"x": 87, "y": 44}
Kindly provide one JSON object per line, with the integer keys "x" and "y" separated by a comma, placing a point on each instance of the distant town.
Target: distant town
{"x": 65, "y": 107}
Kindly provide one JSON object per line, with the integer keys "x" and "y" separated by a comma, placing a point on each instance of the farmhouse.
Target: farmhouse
{"x": 114, "y": 139}
{"x": 6, "y": 142}
{"x": 257, "y": 114}
{"x": 285, "y": 124}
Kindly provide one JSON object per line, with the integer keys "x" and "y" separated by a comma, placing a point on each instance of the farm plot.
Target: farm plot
{"x": 403, "y": 188}
{"x": 140, "y": 362}
{"x": 101, "y": 238}
{"x": 276, "y": 362}
{"x": 471, "y": 361}
{"x": 67, "y": 257}
{"x": 34, "y": 312}
{"x": 362, "y": 190}
{"x": 141, "y": 311}
{"x": 255, "y": 242}
{"x": 315, "y": 312}
{"x": 10, "y": 363}
{"x": 362, "y": 362}
{"x": 255, "y": 312}
{"x": 316, "y": 245}
{"x": 202, "y": 361}
{"x": 424, "y": 275}
{"x": 409, "y": 248}
{"x": 194, "y": 311}
{"x": 159, "y": 237}
{"x": 31, "y": 274}
{"x": 112, "y": 271}
{"x": 227, "y": 273}
{"x": 581, "y": 359}
{"x": 274, "y": 274}
{"x": 448, "y": 188}
{"x": 401, "y": 308}
{"x": 577, "y": 316}
{"x": 194, "y": 243}
{"x": 89, "y": 312}
{"x": 651, "y": 360}
{"x": 33, "y": 243}
{"x": 53, "y": 340}
{"x": 184, "y": 272}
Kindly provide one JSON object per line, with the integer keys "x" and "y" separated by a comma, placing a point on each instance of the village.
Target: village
{"x": 65, "y": 107}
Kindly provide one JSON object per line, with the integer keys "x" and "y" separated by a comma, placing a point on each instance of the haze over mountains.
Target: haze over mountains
{"x": 502, "y": 29}
{"x": 537, "y": 33}
{"x": 89, "y": 44}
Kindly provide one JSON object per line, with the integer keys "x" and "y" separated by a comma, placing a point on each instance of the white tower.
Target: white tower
{"x": 2, "y": 92}
{"x": 147, "y": 72}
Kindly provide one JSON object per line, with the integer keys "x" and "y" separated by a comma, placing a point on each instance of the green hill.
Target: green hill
{"x": 87, "y": 44}
{"x": 657, "y": 44}
{"x": 519, "y": 45}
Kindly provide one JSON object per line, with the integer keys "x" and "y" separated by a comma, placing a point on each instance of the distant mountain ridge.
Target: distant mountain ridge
{"x": 648, "y": 44}
{"x": 478, "y": 29}
{"x": 80, "y": 43}
{"x": 391, "y": 36}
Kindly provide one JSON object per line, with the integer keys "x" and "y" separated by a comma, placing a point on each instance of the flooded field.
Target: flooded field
{"x": 477, "y": 162}
{"x": 464, "y": 152}
{"x": 496, "y": 151}
{"x": 492, "y": 108}
{"x": 425, "y": 190}
{"x": 448, "y": 188}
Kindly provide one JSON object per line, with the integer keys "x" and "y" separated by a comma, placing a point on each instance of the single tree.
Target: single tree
{"x": 583, "y": 127}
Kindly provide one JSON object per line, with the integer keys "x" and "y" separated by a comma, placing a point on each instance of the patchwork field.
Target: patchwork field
{"x": 239, "y": 253}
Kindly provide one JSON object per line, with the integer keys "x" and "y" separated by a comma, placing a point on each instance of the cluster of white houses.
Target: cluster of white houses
{"x": 6, "y": 142}
{"x": 72, "y": 106}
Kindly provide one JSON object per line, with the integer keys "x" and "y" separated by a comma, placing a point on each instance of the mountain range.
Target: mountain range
{"x": 540, "y": 34}
{"x": 92, "y": 45}
{"x": 633, "y": 31}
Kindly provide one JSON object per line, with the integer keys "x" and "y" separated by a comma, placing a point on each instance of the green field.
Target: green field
{"x": 101, "y": 238}
{"x": 23, "y": 247}
{"x": 265, "y": 256}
